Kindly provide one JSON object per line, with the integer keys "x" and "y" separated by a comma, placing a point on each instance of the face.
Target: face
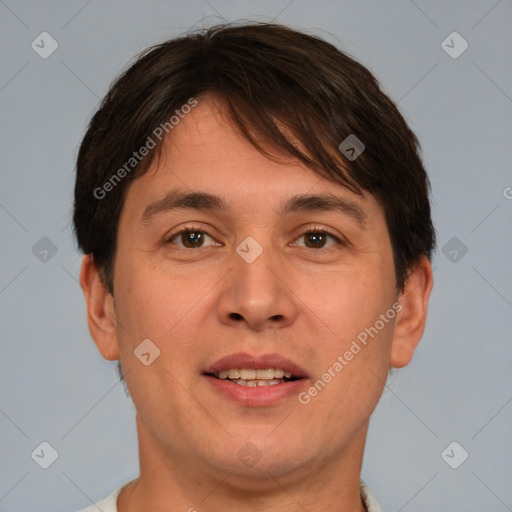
{"x": 271, "y": 272}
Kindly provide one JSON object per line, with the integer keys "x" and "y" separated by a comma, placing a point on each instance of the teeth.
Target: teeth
{"x": 265, "y": 374}
{"x": 249, "y": 375}
{"x": 258, "y": 382}
{"x": 234, "y": 374}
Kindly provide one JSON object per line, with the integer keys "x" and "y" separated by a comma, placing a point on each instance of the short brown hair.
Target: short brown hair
{"x": 278, "y": 86}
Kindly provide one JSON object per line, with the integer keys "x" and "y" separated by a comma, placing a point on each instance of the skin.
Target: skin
{"x": 306, "y": 303}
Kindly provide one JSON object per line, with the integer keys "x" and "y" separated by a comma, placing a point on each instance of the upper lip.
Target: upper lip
{"x": 261, "y": 362}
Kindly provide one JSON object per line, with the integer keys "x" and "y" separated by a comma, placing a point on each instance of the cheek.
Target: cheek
{"x": 346, "y": 303}
{"x": 166, "y": 308}
{"x": 151, "y": 305}
{"x": 353, "y": 349}
{"x": 150, "y": 302}
{"x": 353, "y": 355}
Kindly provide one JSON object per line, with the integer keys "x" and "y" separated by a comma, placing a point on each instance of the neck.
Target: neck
{"x": 167, "y": 482}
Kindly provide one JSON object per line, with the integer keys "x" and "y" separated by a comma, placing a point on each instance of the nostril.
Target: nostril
{"x": 236, "y": 316}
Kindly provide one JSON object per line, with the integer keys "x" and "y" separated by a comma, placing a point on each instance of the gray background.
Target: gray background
{"x": 56, "y": 387}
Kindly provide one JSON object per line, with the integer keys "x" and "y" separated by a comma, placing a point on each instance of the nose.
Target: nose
{"x": 256, "y": 295}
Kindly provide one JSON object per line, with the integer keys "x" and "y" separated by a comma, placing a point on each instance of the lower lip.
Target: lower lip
{"x": 257, "y": 396}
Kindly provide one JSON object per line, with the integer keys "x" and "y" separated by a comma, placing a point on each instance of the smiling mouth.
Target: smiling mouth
{"x": 253, "y": 378}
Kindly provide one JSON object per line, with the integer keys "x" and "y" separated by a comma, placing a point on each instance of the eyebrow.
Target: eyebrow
{"x": 181, "y": 200}
{"x": 325, "y": 203}
{"x": 178, "y": 200}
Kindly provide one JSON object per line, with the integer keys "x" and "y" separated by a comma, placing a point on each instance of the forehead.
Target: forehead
{"x": 207, "y": 138}
{"x": 205, "y": 152}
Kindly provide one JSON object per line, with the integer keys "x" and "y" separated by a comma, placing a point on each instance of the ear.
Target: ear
{"x": 411, "y": 319}
{"x": 100, "y": 310}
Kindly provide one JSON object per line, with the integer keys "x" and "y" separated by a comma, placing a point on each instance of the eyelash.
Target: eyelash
{"x": 311, "y": 230}
{"x": 322, "y": 231}
{"x": 186, "y": 229}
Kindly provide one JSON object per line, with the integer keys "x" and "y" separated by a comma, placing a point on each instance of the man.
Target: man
{"x": 257, "y": 236}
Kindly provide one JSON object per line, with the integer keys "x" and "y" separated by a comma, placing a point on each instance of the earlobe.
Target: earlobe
{"x": 410, "y": 322}
{"x": 100, "y": 310}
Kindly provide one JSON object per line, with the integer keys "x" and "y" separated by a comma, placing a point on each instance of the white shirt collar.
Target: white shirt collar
{"x": 109, "y": 504}
{"x": 368, "y": 498}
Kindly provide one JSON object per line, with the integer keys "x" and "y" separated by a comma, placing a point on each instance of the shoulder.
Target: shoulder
{"x": 108, "y": 504}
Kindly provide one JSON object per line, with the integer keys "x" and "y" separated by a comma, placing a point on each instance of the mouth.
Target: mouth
{"x": 252, "y": 378}
{"x": 256, "y": 381}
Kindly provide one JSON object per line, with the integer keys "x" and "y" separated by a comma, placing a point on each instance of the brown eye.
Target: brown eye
{"x": 192, "y": 239}
{"x": 315, "y": 240}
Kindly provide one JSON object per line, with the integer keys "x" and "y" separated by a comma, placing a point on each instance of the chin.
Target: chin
{"x": 259, "y": 457}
